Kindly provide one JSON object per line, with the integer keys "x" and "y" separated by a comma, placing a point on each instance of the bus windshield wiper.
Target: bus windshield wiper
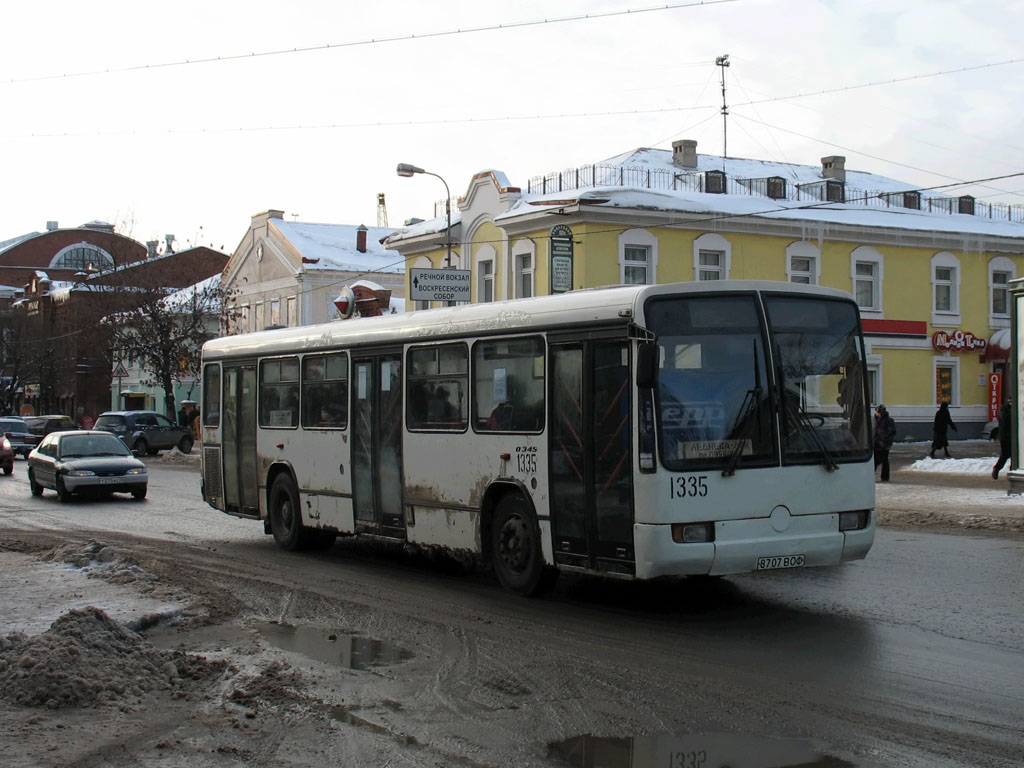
{"x": 803, "y": 422}
{"x": 744, "y": 421}
{"x": 745, "y": 424}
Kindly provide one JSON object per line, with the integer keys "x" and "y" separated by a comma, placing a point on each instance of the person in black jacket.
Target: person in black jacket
{"x": 1005, "y": 437}
{"x": 884, "y": 434}
{"x": 940, "y": 430}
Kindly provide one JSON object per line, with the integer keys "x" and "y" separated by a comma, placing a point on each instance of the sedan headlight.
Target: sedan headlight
{"x": 136, "y": 471}
{"x": 81, "y": 473}
{"x": 6, "y": 444}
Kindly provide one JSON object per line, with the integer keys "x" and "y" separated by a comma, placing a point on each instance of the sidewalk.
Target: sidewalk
{"x": 949, "y": 494}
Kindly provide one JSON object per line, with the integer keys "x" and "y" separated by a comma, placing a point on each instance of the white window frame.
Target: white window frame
{"x": 244, "y": 321}
{"x": 639, "y": 238}
{"x": 801, "y": 249}
{"x": 873, "y": 366}
{"x": 712, "y": 242}
{"x": 954, "y": 364}
{"x": 524, "y": 249}
{"x": 865, "y": 254}
{"x": 291, "y": 308}
{"x": 947, "y": 318}
{"x": 1000, "y": 264}
{"x": 486, "y": 278}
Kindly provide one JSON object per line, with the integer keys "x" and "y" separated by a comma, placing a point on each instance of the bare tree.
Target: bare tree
{"x": 165, "y": 332}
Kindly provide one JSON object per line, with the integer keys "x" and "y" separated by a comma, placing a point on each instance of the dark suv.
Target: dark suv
{"x": 41, "y": 426}
{"x": 146, "y": 431}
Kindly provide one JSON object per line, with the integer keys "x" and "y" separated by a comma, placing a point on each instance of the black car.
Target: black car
{"x": 85, "y": 461}
{"x": 17, "y": 431}
{"x": 146, "y": 431}
{"x": 41, "y": 426}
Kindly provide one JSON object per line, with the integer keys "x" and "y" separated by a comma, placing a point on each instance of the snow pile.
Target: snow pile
{"x": 973, "y": 466}
{"x": 174, "y": 456}
{"x": 86, "y": 659}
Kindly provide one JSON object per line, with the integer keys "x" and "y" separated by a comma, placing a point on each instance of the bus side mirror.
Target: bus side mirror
{"x": 647, "y": 365}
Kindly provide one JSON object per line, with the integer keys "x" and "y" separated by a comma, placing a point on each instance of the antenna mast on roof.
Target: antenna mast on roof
{"x": 382, "y": 211}
{"x": 723, "y": 62}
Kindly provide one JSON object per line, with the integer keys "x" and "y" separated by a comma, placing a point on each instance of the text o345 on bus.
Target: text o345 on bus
{"x": 688, "y": 487}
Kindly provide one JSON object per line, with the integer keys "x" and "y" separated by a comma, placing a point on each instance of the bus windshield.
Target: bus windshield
{"x": 823, "y": 408}
{"x": 713, "y": 393}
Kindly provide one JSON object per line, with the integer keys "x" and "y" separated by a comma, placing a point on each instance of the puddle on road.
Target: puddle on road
{"x": 348, "y": 651}
{"x": 699, "y": 750}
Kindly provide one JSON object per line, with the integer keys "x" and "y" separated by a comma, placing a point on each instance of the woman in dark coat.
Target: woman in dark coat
{"x": 940, "y": 430}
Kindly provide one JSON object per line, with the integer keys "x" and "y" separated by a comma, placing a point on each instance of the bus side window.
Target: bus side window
{"x": 508, "y": 385}
{"x": 325, "y": 391}
{"x": 279, "y": 393}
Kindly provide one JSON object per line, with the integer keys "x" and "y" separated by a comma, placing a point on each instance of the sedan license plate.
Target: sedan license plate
{"x": 109, "y": 480}
{"x": 781, "y": 561}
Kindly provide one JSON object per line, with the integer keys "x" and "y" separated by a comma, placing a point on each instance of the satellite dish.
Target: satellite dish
{"x": 346, "y": 303}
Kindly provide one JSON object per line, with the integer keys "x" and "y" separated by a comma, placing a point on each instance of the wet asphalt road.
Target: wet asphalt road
{"x": 914, "y": 656}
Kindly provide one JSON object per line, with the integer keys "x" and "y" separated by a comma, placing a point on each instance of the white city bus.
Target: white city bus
{"x": 638, "y": 431}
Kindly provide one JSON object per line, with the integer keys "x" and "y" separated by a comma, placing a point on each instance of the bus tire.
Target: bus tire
{"x": 515, "y": 548}
{"x": 286, "y": 514}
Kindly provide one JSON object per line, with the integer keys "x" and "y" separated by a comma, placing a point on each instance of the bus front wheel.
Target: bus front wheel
{"x": 286, "y": 515}
{"x": 515, "y": 549}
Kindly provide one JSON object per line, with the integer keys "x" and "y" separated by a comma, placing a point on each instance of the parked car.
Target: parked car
{"x": 146, "y": 431}
{"x": 6, "y": 456}
{"x": 85, "y": 461}
{"x": 41, "y": 426}
{"x": 17, "y": 431}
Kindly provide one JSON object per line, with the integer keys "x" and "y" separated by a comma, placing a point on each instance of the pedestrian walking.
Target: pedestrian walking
{"x": 1005, "y": 437}
{"x": 885, "y": 433}
{"x": 940, "y": 430}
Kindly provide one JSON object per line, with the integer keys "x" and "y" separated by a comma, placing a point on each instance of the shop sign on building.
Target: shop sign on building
{"x": 561, "y": 259}
{"x": 995, "y": 394}
{"x": 957, "y": 341}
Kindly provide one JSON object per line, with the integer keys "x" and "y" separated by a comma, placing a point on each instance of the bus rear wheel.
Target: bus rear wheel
{"x": 286, "y": 515}
{"x": 515, "y": 549}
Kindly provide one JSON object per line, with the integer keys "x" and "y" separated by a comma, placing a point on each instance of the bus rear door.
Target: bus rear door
{"x": 377, "y": 443}
{"x": 241, "y": 478}
{"x": 591, "y": 470}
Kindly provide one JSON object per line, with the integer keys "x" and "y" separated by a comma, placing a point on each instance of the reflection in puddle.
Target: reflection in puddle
{"x": 699, "y": 750}
{"x": 323, "y": 645}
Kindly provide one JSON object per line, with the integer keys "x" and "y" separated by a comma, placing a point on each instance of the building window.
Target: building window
{"x": 874, "y": 384}
{"x": 293, "y": 315}
{"x": 711, "y": 257}
{"x": 866, "y": 274}
{"x": 634, "y": 269}
{"x": 244, "y": 320}
{"x": 865, "y": 282}
{"x": 802, "y": 263}
{"x": 710, "y": 265}
{"x": 1001, "y": 271}
{"x": 83, "y": 257}
{"x": 638, "y": 257}
{"x": 524, "y": 275}
{"x": 486, "y": 289}
{"x": 947, "y": 382}
{"x": 945, "y": 289}
{"x": 259, "y": 317}
{"x": 275, "y": 312}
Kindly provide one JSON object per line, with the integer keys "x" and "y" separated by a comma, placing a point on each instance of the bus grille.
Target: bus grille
{"x": 211, "y": 473}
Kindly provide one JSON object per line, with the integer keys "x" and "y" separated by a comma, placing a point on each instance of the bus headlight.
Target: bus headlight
{"x": 853, "y": 521}
{"x": 690, "y": 533}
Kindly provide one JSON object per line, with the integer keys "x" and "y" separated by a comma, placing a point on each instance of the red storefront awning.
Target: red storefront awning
{"x": 998, "y": 346}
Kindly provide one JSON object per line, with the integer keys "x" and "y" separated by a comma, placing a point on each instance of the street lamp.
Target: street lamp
{"x": 407, "y": 170}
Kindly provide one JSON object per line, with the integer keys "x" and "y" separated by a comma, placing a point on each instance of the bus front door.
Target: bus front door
{"x": 241, "y": 478}
{"x": 591, "y": 468}
{"x": 377, "y": 444}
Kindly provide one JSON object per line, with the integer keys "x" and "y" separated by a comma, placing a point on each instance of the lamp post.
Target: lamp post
{"x": 407, "y": 170}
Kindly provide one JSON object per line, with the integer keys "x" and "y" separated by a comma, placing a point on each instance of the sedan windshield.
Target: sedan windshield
{"x": 80, "y": 446}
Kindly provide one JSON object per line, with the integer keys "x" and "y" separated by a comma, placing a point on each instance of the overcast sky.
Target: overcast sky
{"x": 195, "y": 149}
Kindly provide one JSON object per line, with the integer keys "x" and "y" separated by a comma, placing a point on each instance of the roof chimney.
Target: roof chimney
{"x": 169, "y": 239}
{"x": 51, "y": 226}
{"x": 834, "y": 167}
{"x": 151, "y": 248}
{"x": 684, "y": 153}
{"x": 361, "y": 238}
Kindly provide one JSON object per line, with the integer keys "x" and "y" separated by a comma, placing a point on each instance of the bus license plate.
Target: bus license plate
{"x": 784, "y": 561}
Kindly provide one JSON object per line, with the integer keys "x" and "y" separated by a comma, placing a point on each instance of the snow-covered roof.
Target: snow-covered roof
{"x": 429, "y": 227}
{"x": 333, "y": 247}
{"x": 632, "y": 180}
{"x": 183, "y": 299}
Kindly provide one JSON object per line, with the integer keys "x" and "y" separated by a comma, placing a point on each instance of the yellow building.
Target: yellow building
{"x": 929, "y": 271}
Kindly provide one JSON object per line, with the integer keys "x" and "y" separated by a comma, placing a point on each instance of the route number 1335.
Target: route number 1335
{"x": 688, "y": 487}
